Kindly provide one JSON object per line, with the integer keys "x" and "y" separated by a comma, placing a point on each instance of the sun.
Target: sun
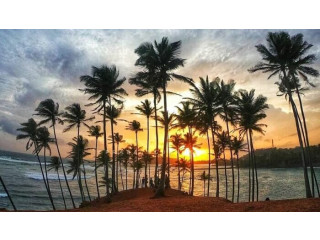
{"x": 197, "y": 153}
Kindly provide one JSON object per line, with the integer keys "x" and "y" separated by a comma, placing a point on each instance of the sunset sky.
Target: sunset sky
{"x": 40, "y": 64}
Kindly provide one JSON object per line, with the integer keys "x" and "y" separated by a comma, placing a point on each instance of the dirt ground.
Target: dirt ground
{"x": 140, "y": 200}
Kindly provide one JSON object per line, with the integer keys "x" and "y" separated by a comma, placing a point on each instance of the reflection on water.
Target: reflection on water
{"x": 23, "y": 180}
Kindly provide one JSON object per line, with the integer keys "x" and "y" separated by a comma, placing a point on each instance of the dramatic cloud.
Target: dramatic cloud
{"x": 40, "y": 64}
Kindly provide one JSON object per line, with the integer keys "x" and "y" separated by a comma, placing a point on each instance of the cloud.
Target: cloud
{"x": 8, "y": 126}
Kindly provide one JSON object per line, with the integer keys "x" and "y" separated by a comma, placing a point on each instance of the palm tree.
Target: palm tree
{"x": 43, "y": 141}
{"x": 177, "y": 144}
{"x": 204, "y": 177}
{"x": 184, "y": 168}
{"x": 104, "y": 160}
{"x": 226, "y": 98}
{"x": 75, "y": 116}
{"x": 190, "y": 143}
{"x": 95, "y": 131}
{"x": 250, "y": 111}
{"x": 79, "y": 150}
{"x": 135, "y": 126}
{"x": 49, "y": 110}
{"x": 118, "y": 139}
{"x": 29, "y": 131}
{"x": 56, "y": 164}
{"x": 147, "y": 84}
{"x": 147, "y": 110}
{"x": 237, "y": 146}
{"x": 162, "y": 59}
{"x": 124, "y": 158}
{"x": 223, "y": 142}
{"x": 205, "y": 100}
{"x": 286, "y": 57}
{"x": 104, "y": 86}
{"x": 186, "y": 118}
{"x": 112, "y": 113}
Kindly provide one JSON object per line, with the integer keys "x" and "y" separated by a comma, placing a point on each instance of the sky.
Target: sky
{"x": 40, "y": 64}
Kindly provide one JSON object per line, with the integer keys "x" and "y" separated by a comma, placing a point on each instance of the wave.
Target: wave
{"x": 51, "y": 176}
{"x": 9, "y": 159}
{"x": 3, "y": 195}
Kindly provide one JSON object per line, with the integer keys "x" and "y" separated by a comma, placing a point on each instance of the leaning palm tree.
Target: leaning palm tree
{"x": 205, "y": 100}
{"x": 94, "y": 131}
{"x": 118, "y": 139}
{"x": 177, "y": 144}
{"x": 147, "y": 110}
{"x": 223, "y": 142}
{"x": 75, "y": 117}
{"x": 43, "y": 143}
{"x": 237, "y": 146}
{"x": 135, "y": 126}
{"x": 286, "y": 57}
{"x": 29, "y": 131}
{"x": 104, "y": 87}
{"x": 112, "y": 113}
{"x": 49, "y": 110}
{"x": 250, "y": 111}
{"x": 162, "y": 59}
{"x": 79, "y": 150}
{"x": 56, "y": 164}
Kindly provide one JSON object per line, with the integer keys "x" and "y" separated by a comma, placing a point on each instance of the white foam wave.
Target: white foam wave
{"x": 51, "y": 176}
{"x": 9, "y": 159}
{"x": 3, "y": 195}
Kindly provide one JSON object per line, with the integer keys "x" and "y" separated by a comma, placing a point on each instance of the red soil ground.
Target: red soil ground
{"x": 139, "y": 200}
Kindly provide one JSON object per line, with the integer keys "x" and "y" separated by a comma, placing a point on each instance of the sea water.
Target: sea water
{"x": 22, "y": 176}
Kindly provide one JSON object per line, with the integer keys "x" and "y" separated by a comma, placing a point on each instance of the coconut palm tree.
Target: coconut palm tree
{"x": 112, "y": 113}
{"x": 104, "y": 160}
{"x": 104, "y": 88}
{"x": 223, "y": 142}
{"x": 204, "y": 177}
{"x": 205, "y": 100}
{"x": 43, "y": 141}
{"x": 49, "y": 110}
{"x": 147, "y": 110}
{"x": 190, "y": 143}
{"x": 177, "y": 144}
{"x": 146, "y": 159}
{"x": 250, "y": 111}
{"x": 285, "y": 56}
{"x": 186, "y": 119}
{"x": 75, "y": 117}
{"x": 237, "y": 146}
{"x": 95, "y": 131}
{"x": 162, "y": 58}
{"x": 79, "y": 150}
{"x": 184, "y": 168}
{"x": 118, "y": 139}
{"x": 29, "y": 131}
{"x": 124, "y": 157}
{"x": 135, "y": 126}
{"x": 56, "y": 164}
{"x": 226, "y": 98}
{"x": 147, "y": 84}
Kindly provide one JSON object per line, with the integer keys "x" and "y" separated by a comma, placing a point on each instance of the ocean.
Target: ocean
{"x": 22, "y": 176}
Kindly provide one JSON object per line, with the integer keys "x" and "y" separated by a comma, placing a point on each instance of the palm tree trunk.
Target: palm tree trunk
{"x": 209, "y": 164}
{"x": 85, "y": 181}
{"x": 117, "y": 168}
{"x": 157, "y": 141}
{"x": 160, "y": 190}
{"x": 95, "y": 167}
{"x": 121, "y": 177}
{"x": 105, "y": 146}
{"x": 64, "y": 201}
{"x": 137, "y": 183}
{"x": 238, "y": 168}
{"x": 216, "y": 159}
{"x": 255, "y": 165}
{"x": 64, "y": 172}
{"x": 79, "y": 165}
{"x": 46, "y": 171}
{"x": 7, "y": 192}
{"x": 126, "y": 177}
{"x": 168, "y": 164}
{"x": 249, "y": 163}
{"x": 225, "y": 172}
{"x": 179, "y": 182}
{"x": 231, "y": 158}
{"x": 146, "y": 166}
